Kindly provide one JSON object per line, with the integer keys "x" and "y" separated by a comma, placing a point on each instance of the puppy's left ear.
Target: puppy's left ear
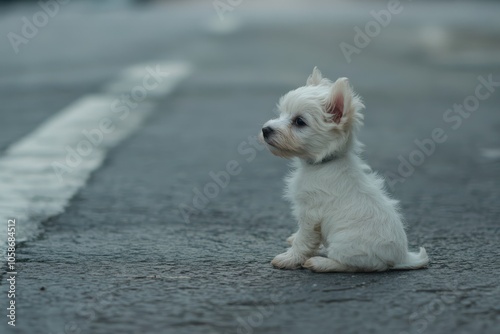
{"x": 315, "y": 78}
{"x": 339, "y": 105}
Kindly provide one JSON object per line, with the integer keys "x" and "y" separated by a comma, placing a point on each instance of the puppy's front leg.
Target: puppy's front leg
{"x": 291, "y": 238}
{"x": 305, "y": 243}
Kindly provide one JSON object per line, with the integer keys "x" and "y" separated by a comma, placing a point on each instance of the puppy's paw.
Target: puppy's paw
{"x": 291, "y": 238}
{"x": 287, "y": 261}
{"x": 321, "y": 264}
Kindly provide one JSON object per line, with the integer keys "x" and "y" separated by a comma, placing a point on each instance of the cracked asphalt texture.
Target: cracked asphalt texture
{"x": 121, "y": 259}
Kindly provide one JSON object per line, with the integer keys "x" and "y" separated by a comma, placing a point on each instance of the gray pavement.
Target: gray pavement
{"x": 122, "y": 259}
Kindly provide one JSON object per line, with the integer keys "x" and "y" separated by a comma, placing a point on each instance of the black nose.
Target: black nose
{"x": 267, "y": 131}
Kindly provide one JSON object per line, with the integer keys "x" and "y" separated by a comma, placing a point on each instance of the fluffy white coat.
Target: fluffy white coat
{"x": 337, "y": 199}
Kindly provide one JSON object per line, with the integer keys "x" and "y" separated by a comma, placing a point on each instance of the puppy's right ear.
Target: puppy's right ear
{"x": 339, "y": 106}
{"x": 315, "y": 78}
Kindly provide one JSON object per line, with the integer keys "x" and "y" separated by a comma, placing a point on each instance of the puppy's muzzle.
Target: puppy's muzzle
{"x": 267, "y": 132}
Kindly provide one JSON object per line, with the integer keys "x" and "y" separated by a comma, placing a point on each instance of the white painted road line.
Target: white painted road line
{"x": 228, "y": 26}
{"x": 40, "y": 173}
{"x": 491, "y": 153}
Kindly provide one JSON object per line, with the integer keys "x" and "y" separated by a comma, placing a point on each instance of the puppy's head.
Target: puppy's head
{"x": 315, "y": 121}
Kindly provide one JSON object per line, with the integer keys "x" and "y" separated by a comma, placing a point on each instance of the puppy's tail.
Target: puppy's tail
{"x": 414, "y": 260}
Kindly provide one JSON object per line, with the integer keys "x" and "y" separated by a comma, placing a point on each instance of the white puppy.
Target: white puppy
{"x": 338, "y": 201}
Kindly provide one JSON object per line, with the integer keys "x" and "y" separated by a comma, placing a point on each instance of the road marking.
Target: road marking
{"x": 491, "y": 153}
{"x": 224, "y": 27}
{"x": 40, "y": 173}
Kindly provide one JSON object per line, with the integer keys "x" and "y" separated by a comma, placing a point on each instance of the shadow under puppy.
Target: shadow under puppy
{"x": 337, "y": 199}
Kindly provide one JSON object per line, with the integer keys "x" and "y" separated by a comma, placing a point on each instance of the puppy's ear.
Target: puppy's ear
{"x": 340, "y": 100}
{"x": 315, "y": 78}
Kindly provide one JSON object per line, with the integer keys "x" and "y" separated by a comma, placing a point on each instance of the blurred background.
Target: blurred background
{"x": 152, "y": 233}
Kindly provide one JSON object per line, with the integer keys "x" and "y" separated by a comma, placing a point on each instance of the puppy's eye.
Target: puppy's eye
{"x": 299, "y": 121}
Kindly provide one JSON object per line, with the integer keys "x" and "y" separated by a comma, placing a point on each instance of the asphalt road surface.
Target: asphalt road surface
{"x": 170, "y": 223}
